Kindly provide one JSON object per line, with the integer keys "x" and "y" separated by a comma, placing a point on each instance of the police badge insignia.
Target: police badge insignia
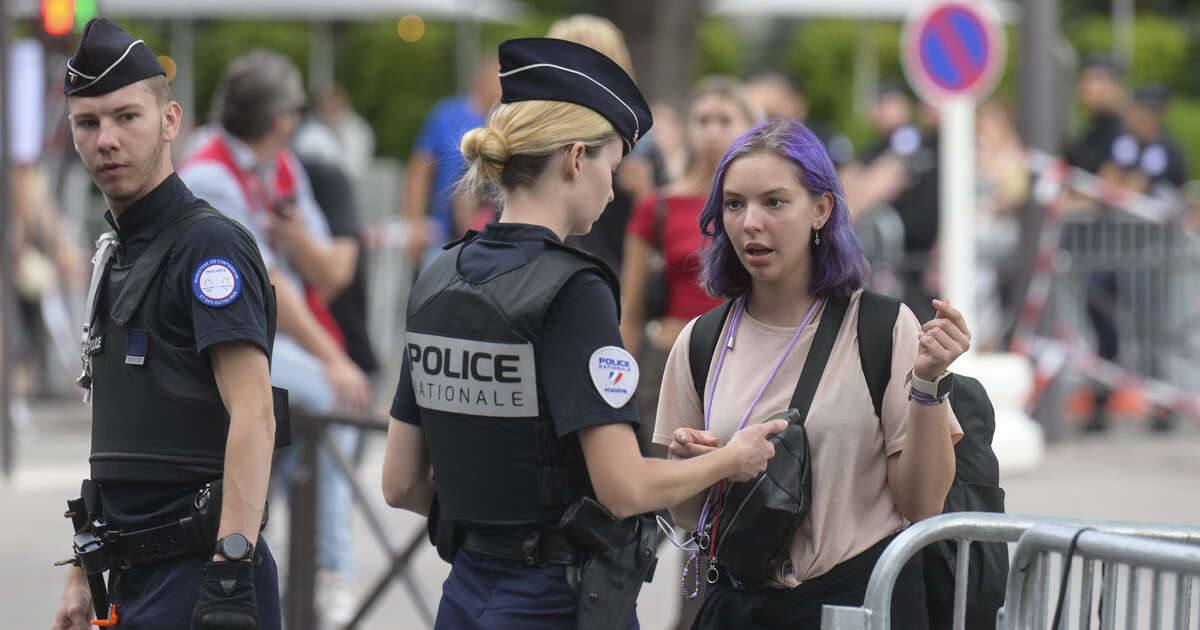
{"x": 216, "y": 282}
{"x": 615, "y": 374}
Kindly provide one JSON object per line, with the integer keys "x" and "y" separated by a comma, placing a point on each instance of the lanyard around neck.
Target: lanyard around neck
{"x": 712, "y": 388}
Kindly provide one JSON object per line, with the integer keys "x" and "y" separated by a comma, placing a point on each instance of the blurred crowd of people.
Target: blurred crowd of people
{"x": 290, "y": 179}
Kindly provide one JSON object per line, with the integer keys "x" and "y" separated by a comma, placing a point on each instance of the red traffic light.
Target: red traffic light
{"x": 58, "y": 16}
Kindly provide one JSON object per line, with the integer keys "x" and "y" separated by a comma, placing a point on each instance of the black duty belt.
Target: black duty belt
{"x": 155, "y": 544}
{"x": 544, "y": 548}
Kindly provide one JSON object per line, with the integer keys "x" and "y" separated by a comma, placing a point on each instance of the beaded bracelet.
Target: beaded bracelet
{"x": 925, "y": 399}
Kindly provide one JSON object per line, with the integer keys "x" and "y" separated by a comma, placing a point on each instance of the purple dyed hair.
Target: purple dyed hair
{"x": 839, "y": 266}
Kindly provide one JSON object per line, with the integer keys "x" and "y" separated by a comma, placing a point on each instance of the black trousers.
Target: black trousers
{"x": 800, "y": 608}
{"x": 162, "y": 596}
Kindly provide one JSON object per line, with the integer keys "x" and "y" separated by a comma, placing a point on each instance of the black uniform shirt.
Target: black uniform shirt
{"x": 582, "y": 318}
{"x": 182, "y": 318}
{"x": 1091, "y": 149}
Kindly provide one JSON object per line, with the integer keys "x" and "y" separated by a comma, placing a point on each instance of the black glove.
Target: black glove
{"x": 227, "y": 599}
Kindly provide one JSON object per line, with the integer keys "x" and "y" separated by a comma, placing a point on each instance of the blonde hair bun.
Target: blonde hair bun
{"x": 487, "y": 150}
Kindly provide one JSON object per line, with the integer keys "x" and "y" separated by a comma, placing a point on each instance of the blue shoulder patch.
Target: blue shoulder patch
{"x": 216, "y": 282}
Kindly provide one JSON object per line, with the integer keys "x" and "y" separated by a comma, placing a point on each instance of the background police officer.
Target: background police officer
{"x": 515, "y": 392}
{"x": 177, "y": 359}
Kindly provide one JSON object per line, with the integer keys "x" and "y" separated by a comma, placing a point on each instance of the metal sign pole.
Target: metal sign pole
{"x": 957, "y": 202}
{"x": 6, "y": 267}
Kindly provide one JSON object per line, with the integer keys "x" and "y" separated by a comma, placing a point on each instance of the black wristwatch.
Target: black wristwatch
{"x": 235, "y": 548}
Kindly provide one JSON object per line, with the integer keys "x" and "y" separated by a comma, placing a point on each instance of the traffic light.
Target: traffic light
{"x": 85, "y": 10}
{"x": 58, "y": 17}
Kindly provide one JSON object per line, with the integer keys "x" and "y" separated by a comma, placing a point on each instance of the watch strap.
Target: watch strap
{"x": 937, "y": 388}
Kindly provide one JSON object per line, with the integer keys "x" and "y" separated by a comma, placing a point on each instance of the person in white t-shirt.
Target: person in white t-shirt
{"x": 780, "y": 244}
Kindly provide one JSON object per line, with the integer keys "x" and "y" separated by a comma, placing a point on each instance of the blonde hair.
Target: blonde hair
{"x": 519, "y": 140}
{"x": 596, "y": 33}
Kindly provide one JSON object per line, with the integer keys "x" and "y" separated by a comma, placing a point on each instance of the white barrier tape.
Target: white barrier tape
{"x": 1052, "y": 354}
{"x": 1091, "y": 186}
{"x": 1049, "y": 187}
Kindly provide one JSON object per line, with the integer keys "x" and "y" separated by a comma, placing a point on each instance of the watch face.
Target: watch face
{"x": 234, "y": 547}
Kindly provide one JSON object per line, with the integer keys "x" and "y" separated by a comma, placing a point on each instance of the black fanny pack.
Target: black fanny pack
{"x": 753, "y": 530}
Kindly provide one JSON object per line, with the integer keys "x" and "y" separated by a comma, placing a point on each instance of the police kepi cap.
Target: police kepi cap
{"x": 108, "y": 59}
{"x": 1154, "y": 96}
{"x": 1104, "y": 62}
{"x": 543, "y": 69}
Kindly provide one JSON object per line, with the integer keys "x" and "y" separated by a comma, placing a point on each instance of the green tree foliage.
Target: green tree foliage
{"x": 219, "y": 43}
{"x": 1160, "y": 48}
{"x": 718, "y": 49}
{"x": 393, "y": 83}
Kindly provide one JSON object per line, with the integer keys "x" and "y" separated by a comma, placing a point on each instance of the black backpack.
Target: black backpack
{"x": 976, "y": 485}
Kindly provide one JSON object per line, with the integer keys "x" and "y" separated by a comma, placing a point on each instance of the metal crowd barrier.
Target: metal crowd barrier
{"x": 1138, "y": 281}
{"x": 966, "y": 527}
{"x": 1030, "y": 597}
{"x": 310, "y": 434}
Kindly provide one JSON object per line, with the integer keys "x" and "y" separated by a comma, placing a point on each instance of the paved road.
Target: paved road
{"x": 1127, "y": 475}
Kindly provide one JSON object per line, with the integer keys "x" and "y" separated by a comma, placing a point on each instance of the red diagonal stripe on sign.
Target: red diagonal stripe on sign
{"x": 959, "y": 57}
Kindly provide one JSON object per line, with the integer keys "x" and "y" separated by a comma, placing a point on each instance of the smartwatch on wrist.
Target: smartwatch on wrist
{"x": 234, "y": 548}
{"x": 938, "y": 388}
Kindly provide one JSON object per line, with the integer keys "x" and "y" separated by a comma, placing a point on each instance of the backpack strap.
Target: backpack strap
{"x": 705, "y": 334}
{"x": 818, "y": 354}
{"x": 134, "y": 289}
{"x": 876, "y": 321}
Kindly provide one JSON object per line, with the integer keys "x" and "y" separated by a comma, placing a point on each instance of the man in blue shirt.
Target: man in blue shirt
{"x": 436, "y": 215}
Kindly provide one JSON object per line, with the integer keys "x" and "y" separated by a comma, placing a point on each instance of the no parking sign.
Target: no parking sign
{"x": 953, "y": 49}
{"x": 953, "y": 52}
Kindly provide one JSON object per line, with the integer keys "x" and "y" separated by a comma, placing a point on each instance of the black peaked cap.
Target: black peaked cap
{"x": 544, "y": 69}
{"x": 1110, "y": 64}
{"x": 108, "y": 59}
{"x": 1154, "y": 96}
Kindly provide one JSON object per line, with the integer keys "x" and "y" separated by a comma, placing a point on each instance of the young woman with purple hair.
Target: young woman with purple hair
{"x": 780, "y": 244}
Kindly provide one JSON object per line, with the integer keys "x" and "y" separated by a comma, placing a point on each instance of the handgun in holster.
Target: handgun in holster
{"x": 88, "y": 547}
{"x": 446, "y": 536}
{"x": 622, "y": 554}
{"x": 98, "y": 547}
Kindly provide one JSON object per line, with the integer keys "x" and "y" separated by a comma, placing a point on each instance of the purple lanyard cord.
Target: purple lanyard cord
{"x": 712, "y": 388}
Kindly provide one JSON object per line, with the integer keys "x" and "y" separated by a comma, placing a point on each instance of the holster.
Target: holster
{"x": 444, "y": 535}
{"x": 89, "y": 552}
{"x": 99, "y": 547}
{"x": 608, "y": 581}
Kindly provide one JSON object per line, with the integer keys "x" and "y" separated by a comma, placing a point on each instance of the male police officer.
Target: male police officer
{"x": 176, "y": 344}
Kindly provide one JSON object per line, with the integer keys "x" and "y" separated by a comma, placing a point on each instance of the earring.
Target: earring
{"x": 817, "y": 237}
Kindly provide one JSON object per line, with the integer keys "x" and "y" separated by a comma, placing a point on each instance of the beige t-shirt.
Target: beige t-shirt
{"x": 852, "y": 506}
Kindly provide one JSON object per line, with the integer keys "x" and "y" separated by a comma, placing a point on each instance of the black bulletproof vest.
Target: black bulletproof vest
{"x": 156, "y": 412}
{"x": 473, "y": 349}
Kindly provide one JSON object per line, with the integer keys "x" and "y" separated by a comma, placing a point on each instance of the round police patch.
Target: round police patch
{"x": 1125, "y": 150}
{"x": 1154, "y": 160}
{"x": 614, "y": 373}
{"x": 216, "y": 282}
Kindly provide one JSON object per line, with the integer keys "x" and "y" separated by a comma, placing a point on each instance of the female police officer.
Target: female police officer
{"x": 515, "y": 393}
